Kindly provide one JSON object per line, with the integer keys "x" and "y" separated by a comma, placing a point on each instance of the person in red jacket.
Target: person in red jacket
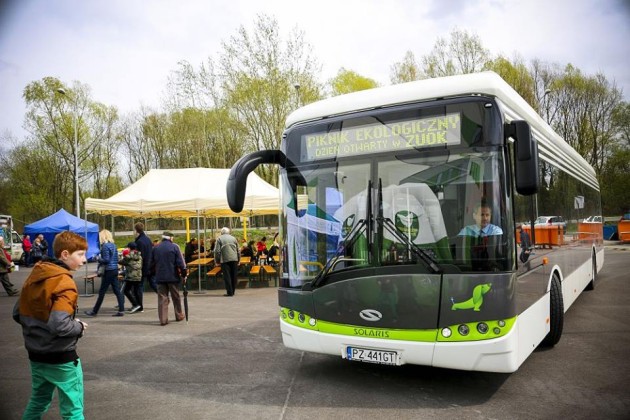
{"x": 261, "y": 249}
{"x": 26, "y": 247}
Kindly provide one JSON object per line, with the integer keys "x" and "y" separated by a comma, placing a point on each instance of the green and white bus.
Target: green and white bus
{"x": 377, "y": 189}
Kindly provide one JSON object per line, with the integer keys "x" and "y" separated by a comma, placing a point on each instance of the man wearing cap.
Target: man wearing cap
{"x": 226, "y": 255}
{"x": 168, "y": 267}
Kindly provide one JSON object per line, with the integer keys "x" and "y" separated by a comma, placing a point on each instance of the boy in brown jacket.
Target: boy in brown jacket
{"x": 46, "y": 310}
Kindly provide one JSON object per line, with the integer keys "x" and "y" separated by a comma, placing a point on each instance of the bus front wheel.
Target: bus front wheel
{"x": 556, "y": 313}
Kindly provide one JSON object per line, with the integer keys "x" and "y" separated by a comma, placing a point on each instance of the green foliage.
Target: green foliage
{"x": 516, "y": 75}
{"x": 406, "y": 70}
{"x": 621, "y": 122}
{"x": 462, "y": 54}
{"x": 614, "y": 182}
{"x": 348, "y": 81}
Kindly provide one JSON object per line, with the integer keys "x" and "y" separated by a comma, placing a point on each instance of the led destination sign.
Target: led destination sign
{"x": 379, "y": 138}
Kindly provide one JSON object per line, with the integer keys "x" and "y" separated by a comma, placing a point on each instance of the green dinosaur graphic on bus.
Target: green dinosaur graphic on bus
{"x": 475, "y": 301}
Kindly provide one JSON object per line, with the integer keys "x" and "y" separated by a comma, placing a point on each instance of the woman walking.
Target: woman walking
{"x": 108, "y": 259}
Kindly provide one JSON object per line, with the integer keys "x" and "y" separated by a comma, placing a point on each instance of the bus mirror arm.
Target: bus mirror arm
{"x": 519, "y": 131}
{"x": 237, "y": 180}
{"x": 526, "y": 157}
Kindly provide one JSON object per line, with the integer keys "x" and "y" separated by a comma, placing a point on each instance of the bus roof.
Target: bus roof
{"x": 551, "y": 146}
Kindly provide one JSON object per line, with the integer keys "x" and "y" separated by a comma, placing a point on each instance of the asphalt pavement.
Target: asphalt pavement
{"x": 228, "y": 362}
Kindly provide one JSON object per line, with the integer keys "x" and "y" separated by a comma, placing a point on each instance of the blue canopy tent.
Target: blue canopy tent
{"x": 62, "y": 220}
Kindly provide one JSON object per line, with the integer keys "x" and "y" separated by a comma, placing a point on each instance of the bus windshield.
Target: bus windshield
{"x": 429, "y": 206}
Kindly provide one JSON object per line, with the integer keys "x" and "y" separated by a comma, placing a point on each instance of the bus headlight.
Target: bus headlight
{"x": 496, "y": 330}
{"x": 501, "y": 323}
{"x": 482, "y": 327}
{"x": 312, "y": 322}
{"x": 291, "y": 314}
{"x": 301, "y": 318}
{"x": 463, "y": 329}
{"x": 446, "y": 332}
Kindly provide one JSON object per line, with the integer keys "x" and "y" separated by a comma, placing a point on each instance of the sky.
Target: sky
{"x": 126, "y": 49}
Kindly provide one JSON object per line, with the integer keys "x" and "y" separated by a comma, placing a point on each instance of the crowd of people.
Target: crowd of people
{"x": 48, "y": 302}
{"x": 34, "y": 251}
{"x": 258, "y": 252}
{"x": 158, "y": 264}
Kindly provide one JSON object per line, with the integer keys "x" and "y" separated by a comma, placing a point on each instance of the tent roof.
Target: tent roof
{"x": 58, "y": 222}
{"x": 183, "y": 193}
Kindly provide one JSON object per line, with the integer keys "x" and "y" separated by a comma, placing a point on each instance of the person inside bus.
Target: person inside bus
{"x": 482, "y": 214}
{"x": 480, "y": 238}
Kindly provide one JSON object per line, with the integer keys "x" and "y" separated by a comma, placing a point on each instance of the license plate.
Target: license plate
{"x": 384, "y": 357}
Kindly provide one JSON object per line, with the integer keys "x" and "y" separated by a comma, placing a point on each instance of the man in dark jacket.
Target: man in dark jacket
{"x": 167, "y": 264}
{"x": 145, "y": 246}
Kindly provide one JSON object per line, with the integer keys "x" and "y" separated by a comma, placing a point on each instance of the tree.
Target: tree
{"x": 614, "y": 183}
{"x": 621, "y": 121}
{"x": 516, "y": 75}
{"x": 348, "y": 81}
{"x": 463, "y": 54}
{"x": 257, "y": 73}
{"x": 35, "y": 184}
{"x": 585, "y": 106}
{"x": 406, "y": 70}
{"x": 40, "y": 171}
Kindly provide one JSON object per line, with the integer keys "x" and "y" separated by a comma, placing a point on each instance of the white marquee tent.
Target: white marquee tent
{"x": 186, "y": 193}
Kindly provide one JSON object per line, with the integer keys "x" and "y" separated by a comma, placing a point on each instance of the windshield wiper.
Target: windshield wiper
{"x": 385, "y": 222}
{"x": 362, "y": 226}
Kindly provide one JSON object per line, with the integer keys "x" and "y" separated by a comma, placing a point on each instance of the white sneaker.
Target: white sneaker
{"x": 134, "y": 309}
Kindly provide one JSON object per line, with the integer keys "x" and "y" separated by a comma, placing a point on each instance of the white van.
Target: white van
{"x": 12, "y": 239}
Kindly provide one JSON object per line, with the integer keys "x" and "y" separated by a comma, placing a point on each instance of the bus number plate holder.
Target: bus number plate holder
{"x": 383, "y": 357}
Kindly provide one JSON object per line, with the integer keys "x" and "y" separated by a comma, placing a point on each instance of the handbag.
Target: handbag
{"x": 100, "y": 270}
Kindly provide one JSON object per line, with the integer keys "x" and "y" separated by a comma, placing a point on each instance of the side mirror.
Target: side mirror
{"x": 237, "y": 180}
{"x": 526, "y": 170}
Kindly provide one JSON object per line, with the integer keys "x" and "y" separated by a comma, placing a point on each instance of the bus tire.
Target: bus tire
{"x": 556, "y": 313}
{"x": 591, "y": 284}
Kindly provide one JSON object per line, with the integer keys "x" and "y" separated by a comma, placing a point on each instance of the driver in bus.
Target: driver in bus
{"x": 477, "y": 244}
{"x": 482, "y": 227}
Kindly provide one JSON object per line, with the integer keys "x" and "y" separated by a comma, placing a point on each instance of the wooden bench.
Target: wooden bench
{"x": 254, "y": 274}
{"x": 88, "y": 279}
{"x": 270, "y": 271}
{"x": 214, "y": 273}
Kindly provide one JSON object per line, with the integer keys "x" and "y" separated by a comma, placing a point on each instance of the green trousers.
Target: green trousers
{"x": 67, "y": 378}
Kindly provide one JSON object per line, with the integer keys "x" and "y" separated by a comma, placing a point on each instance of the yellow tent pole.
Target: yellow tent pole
{"x": 187, "y": 229}
{"x": 245, "y": 228}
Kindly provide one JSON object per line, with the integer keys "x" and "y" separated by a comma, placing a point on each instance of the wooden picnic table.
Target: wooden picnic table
{"x": 204, "y": 254}
{"x": 202, "y": 264}
{"x": 202, "y": 261}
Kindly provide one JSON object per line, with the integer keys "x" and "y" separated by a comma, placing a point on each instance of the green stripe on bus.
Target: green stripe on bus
{"x": 494, "y": 330}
